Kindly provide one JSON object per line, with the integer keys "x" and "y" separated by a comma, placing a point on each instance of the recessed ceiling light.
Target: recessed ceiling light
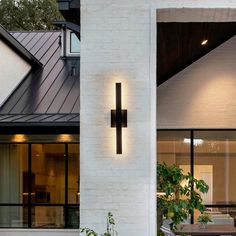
{"x": 204, "y": 42}
{"x": 196, "y": 142}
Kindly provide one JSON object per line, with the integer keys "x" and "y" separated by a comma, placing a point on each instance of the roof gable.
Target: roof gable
{"x": 18, "y": 48}
{"x": 52, "y": 89}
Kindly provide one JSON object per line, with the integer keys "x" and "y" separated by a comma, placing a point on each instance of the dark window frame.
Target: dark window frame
{"x": 192, "y": 160}
{"x": 66, "y": 206}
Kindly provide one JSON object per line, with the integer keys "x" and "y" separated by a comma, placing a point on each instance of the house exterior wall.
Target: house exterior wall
{"x": 12, "y": 70}
{"x": 118, "y": 45}
{"x": 202, "y": 95}
{"x": 115, "y": 47}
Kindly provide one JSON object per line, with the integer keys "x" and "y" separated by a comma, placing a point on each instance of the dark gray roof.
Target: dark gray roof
{"x": 51, "y": 90}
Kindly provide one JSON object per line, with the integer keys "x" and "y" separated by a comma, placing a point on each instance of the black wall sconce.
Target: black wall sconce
{"x": 118, "y": 119}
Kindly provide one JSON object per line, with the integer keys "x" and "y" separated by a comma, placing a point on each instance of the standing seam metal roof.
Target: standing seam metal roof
{"x": 50, "y": 90}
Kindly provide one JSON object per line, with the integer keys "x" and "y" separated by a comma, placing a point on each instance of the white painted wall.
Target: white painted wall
{"x": 12, "y": 70}
{"x": 202, "y": 95}
{"x": 118, "y": 44}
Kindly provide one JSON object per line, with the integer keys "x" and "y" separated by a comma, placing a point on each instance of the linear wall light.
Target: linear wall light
{"x": 118, "y": 119}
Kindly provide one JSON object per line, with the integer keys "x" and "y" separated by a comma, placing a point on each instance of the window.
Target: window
{"x": 172, "y": 149}
{"x": 39, "y": 184}
{"x": 70, "y": 43}
{"x": 210, "y": 155}
{"x": 74, "y": 43}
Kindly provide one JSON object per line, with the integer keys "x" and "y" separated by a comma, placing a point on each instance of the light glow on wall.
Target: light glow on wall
{"x": 64, "y": 138}
{"x": 110, "y": 100}
{"x": 19, "y": 138}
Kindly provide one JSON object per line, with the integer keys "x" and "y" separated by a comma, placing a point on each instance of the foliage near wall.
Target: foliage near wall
{"x": 180, "y": 194}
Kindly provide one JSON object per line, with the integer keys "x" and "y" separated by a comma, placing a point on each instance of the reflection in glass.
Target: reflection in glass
{"x": 214, "y": 162}
{"x": 74, "y": 43}
{"x": 172, "y": 149}
{"x": 13, "y": 216}
{"x": 48, "y": 216}
{"x": 73, "y": 217}
{"x": 73, "y": 173}
{"x": 214, "y": 156}
{"x": 223, "y": 215}
{"x": 48, "y": 173}
{"x": 13, "y": 169}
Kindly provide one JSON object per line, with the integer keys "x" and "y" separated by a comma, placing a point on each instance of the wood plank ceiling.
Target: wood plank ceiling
{"x": 179, "y": 44}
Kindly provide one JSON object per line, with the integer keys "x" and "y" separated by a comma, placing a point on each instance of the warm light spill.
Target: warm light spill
{"x": 64, "y": 138}
{"x": 19, "y": 138}
{"x": 204, "y": 42}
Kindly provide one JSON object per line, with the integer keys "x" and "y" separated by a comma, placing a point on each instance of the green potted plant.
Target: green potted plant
{"x": 203, "y": 219}
{"x": 109, "y": 231}
{"x": 178, "y": 195}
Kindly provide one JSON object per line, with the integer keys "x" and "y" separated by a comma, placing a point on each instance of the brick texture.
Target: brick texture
{"x": 119, "y": 45}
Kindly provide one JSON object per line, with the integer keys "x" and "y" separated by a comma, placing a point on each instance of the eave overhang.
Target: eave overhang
{"x": 70, "y": 9}
{"x": 39, "y": 120}
{"x": 66, "y": 24}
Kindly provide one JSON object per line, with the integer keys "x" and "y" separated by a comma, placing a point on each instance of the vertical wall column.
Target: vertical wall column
{"x": 117, "y": 46}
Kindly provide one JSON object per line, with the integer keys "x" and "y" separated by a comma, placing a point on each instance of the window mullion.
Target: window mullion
{"x": 66, "y": 185}
{"x": 192, "y": 164}
{"x": 29, "y": 187}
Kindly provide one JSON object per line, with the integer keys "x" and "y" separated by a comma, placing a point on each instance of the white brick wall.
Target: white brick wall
{"x": 115, "y": 48}
{"x": 202, "y": 95}
{"x": 119, "y": 45}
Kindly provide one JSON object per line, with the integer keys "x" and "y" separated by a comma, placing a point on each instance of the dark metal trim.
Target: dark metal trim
{"x": 30, "y": 204}
{"x": 29, "y": 186}
{"x": 118, "y": 119}
{"x": 221, "y": 205}
{"x": 196, "y": 129}
{"x": 64, "y": 41}
{"x": 66, "y": 24}
{"x": 192, "y": 165}
{"x": 13, "y": 204}
{"x": 192, "y": 160}
{"x": 39, "y": 124}
{"x": 123, "y": 118}
{"x": 43, "y": 129}
{"x": 37, "y": 204}
{"x": 66, "y": 185}
{"x": 192, "y": 153}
